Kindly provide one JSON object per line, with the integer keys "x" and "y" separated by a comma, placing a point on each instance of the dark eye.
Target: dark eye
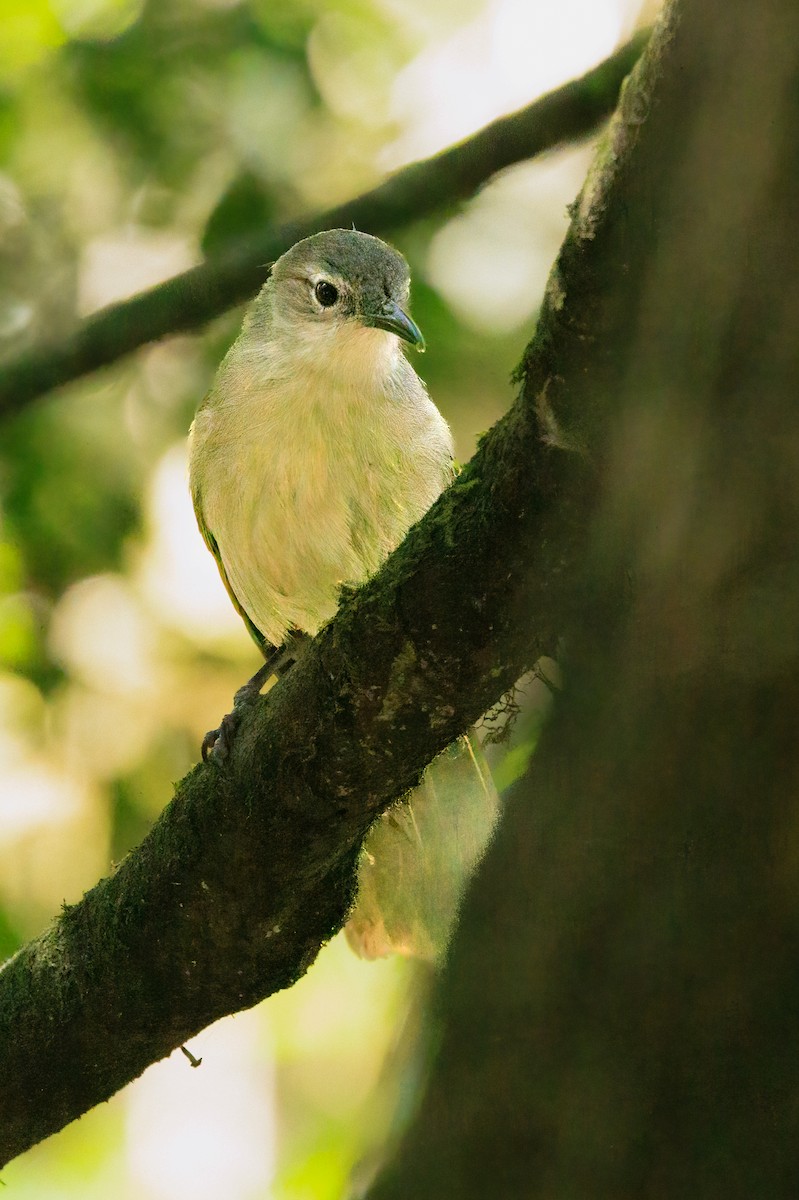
{"x": 326, "y": 293}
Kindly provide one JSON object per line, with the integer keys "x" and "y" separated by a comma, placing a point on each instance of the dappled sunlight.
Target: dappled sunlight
{"x": 101, "y": 634}
{"x": 345, "y": 1046}
{"x": 35, "y": 794}
{"x": 31, "y": 32}
{"x": 53, "y": 839}
{"x": 124, "y": 127}
{"x": 103, "y": 735}
{"x": 23, "y": 713}
{"x": 54, "y": 821}
{"x": 340, "y": 997}
{"x": 210, "y": 1131}
{"x": 351, "y": 64}
{"x": 117, "y": 265}
{"x": 491, "y": 262}
{"x": 97, "y": 19}
{"x": 508, "y": 54}
{"x": 175, "y": 571}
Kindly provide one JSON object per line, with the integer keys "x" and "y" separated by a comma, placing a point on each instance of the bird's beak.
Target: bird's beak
{"x": 392, "y": 318}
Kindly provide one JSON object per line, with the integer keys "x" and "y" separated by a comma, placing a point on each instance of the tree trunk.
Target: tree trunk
{"x": 618, "y": 1017}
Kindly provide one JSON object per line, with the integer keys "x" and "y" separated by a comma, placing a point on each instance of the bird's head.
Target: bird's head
{"x": 339, "y": 294}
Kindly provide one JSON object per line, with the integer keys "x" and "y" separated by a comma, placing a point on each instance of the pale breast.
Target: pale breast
{"x": 303, "y": 497}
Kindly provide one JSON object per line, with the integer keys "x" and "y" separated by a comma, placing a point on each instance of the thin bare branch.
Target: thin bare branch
{"x": 189, "y": 300}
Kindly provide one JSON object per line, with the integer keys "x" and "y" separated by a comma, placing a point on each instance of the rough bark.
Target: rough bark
{"x": 189, "y": 300}
{"x": 618, "y": 1015}
{"x": 251, "y": 868}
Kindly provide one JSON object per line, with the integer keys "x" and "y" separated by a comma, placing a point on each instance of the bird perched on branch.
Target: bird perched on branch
{"x": 316, "y": 449}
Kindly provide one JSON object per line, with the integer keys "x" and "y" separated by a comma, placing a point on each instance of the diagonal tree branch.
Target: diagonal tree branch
{"x": 249, "y": 870}
{"x": 189, "y": 300}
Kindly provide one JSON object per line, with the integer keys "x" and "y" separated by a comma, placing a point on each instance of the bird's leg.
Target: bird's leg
{"x": 217, "y": 742}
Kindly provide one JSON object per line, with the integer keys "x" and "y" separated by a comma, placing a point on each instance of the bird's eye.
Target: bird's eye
{"x": 326, "y": 293}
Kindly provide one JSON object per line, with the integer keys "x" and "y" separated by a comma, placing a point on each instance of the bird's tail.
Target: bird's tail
{"x": 418, "y": 857}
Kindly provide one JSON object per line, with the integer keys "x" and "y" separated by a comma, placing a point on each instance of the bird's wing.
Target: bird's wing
{"x": 419, "y": 856}
{"x": 212, "y": 545}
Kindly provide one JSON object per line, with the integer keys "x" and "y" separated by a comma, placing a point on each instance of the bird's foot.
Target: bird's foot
{"x": 217, "y": 743}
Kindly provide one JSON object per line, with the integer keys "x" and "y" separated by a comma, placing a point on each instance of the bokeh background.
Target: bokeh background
{"x": 134, "y": 138}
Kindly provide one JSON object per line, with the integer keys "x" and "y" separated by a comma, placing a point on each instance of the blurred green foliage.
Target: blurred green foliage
{"x": 134, "y": 137}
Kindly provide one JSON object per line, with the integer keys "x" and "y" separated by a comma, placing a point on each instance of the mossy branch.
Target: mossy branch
{"x": 251, "y": 868}
{"x": 189, "y": 300}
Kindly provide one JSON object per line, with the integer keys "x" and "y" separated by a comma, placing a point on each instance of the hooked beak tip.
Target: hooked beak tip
{"x": 395, "y": 320}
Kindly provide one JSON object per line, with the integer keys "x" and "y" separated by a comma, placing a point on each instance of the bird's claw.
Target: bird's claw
{"x": 217, "y": 742}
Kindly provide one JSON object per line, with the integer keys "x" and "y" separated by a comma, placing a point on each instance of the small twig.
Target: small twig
{"x": 189, "y": 300}
{"x": 195, "y": 1062}
{"x": 497, "y": 724}
{"x": 550, "y": 684}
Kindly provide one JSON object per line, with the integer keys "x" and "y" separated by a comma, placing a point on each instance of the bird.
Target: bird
{"x": 314, "y": 451}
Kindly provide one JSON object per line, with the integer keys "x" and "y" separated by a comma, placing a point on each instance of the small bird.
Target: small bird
{"x": 314, "y": 452}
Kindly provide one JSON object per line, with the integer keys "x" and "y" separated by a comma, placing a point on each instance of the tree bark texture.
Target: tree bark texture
{"x": 618, "y": 1015}
{"x": 251, "y": 868}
